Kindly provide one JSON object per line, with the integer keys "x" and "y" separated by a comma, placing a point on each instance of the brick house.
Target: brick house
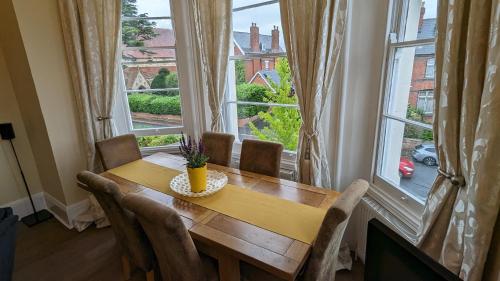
{"x": 257, "y": 70}
{"x": 422, "y": 81}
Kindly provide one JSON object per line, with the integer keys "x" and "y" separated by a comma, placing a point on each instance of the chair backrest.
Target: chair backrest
{"x": 117, "y": 151}
{"x": 323, "y": 261}
{"x": 218, "y": 147}
{"x": 7, "y": 242}
{"x": 175, "y": 251}
{"x": 262, "y": 157}
{"x": 128, "y": 231}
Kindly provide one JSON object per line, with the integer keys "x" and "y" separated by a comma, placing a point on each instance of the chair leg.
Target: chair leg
{"x": 126, "y": 267}
{"x": 150, "y": 275}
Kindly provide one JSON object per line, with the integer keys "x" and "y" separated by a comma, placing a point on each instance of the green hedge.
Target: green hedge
{"x": 154, "y": 104}
{"x": 251, "y": 92}
{"x": 152, "y": 141}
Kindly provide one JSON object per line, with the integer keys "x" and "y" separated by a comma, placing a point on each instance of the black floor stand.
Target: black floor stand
{"x": 37, "y": 216}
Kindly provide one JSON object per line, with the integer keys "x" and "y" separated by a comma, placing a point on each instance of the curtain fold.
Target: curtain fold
{"x": 313, "y": 33}
{"x": 462, "y": 208}
{"x": 91, "y": 32}
{"x": 213, "y": 26}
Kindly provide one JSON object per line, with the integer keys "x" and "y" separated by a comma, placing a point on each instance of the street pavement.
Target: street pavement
{"x": 421, "y": 182}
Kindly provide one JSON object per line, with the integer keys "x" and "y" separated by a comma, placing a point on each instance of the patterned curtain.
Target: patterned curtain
{"x": 91, "y": 30}
{"x": 213, "y": 24}
{"x": 313, "y": 32}
{"x": 460, "y": 216}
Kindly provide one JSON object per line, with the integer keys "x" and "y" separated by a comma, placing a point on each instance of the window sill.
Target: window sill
{"x": 396, "y": 207}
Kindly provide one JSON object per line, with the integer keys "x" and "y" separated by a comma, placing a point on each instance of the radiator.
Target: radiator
{"x": 368, "y": 209}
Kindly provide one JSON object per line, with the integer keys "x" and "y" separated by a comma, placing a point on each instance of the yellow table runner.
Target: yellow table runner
{"x": 291, "y": 219}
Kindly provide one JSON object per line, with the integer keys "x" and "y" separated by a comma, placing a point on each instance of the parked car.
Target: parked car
{"x": 406, "y": 168}
{"x": 426, "y": 153}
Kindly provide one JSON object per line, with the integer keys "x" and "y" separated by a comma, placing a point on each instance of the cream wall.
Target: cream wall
{"x": 31, "y": 39}
{"x": 11, "y": 184}
{"x": 40, "y": 28}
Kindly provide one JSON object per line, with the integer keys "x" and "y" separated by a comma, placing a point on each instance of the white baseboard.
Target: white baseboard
{"x": 22, "y": 207}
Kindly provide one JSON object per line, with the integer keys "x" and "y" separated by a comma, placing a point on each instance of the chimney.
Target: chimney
{"x": 254, "y": 38}
{"x": 275, "y": 42}
{"x": 422, "y": 13}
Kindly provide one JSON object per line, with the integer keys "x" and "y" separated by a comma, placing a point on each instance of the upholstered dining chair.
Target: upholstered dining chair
{"x": 321, "y": 265}
{"x": 176, "y": 253}
{"x": 135, "y": 246}
{"x": 262, "y": 157}
{"x": 118, "y": 150}
{"x": 218, "y": 147}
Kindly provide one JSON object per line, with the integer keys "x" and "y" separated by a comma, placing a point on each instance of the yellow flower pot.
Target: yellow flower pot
{"x": 198, "y": 178}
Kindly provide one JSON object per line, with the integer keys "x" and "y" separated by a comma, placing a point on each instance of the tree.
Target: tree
{"x": 250, "y": 92}
{"x": 163, "y": 80}
{"x": 134, "y": 32}
{"x": 239, "y": 67}
{"x": 282, "y": 123}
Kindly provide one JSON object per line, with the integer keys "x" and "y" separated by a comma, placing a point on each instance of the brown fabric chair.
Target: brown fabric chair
{"x": 117, "y": 151}
{"x": 218, "y": 147}
{"x": 129, "y": 233}
{"x": 322, "y": 263}
{"x": 177, "y": 256}
{"x": 261, "y": 157}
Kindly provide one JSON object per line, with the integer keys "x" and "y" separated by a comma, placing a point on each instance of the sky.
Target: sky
{"x": 265, "y": 17}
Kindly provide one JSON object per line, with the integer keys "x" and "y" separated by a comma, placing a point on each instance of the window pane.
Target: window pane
{"x": 150, "y": 8}
{"x": 421, "y": 20}
{"x": 409, "y": 83}
{"x": 408, "y": 159}
{"x": 274, "y": 123}
{"x": 151, "y": 76}
{"x": 152, "y": 110}
{"x": 147, "y": 33}
{"x": 153, "y": 141}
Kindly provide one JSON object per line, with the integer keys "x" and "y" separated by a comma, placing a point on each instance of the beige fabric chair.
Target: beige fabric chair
{"x": 261, "y": 157}
{"x": 129, "y": 234}
{"x": 218, "y": 147}
{"x": 177, "y": 256}
{"x": 322, "y": 263}
{"x": 117, "y": 151}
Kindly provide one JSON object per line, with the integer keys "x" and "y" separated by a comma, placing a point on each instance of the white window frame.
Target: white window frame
{"x": 189, "y": 83}
{"x": 430, "y": 63}
{"x": 231, "y": 102}
{"x": 402, "y": 204}
{"x": 425, "y": 96}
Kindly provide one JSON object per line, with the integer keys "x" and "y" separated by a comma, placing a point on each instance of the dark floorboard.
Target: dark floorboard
{"x": 50, "y": 252}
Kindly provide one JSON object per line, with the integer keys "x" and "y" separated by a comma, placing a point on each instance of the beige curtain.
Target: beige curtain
{"x": 313, "y": 32}
{"x": 212, "y": 20}
{"x": 462, "y": 209}
{"x": 91, "y": 30}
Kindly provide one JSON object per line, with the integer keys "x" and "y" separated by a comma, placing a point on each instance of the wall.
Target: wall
{"x": 11, "y": 184}
{"x": 41, "y": 31}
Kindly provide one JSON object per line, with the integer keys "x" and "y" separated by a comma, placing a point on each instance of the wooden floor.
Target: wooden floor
{"x": 50, "y": 251}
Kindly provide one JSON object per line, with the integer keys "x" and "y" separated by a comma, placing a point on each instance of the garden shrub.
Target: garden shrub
{"x": 152, "y": 141}
{"x": 154, "y": 104}
{"x": 251, "y": 92}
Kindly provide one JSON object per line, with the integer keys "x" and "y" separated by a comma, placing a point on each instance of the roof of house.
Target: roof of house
{"x": 164, "y": 38}
{"x": 267, "y": 75}
{"x": 426, "y": 31}
{"x": 243, "y": 40}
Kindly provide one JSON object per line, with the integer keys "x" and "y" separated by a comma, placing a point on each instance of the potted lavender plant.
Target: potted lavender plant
{"x": 196, "y": 163}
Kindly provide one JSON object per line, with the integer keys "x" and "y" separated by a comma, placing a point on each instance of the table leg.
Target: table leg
{"x": 229, "y": 268}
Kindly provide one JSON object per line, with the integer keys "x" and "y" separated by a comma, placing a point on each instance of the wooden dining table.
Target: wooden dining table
{"x": 230, "y": 240}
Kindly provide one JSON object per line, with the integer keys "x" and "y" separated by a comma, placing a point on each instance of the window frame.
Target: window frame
{"x": 288, "y": 157}
{"x": 425, "y": 95}
{"x": 188, "y": 82}
{"x": 430, "y": 74}
{"x": 403, "y": 204}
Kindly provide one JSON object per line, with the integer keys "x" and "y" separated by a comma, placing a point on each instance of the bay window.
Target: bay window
{"x": 406, "y": 160}
{"x": 153, "y": 101}
{"x": 260, "y": 101}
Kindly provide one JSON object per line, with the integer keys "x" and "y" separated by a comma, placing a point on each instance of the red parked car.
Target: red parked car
{"x": 406, "y": 168}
